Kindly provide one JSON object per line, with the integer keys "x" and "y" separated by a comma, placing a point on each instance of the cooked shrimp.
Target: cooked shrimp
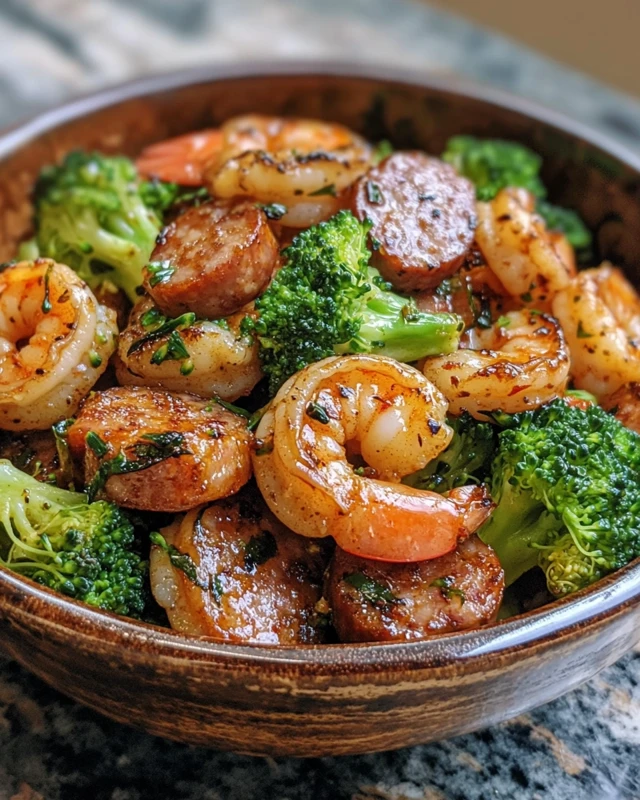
{"x": 379, "y": 413}
{"x": 212, "y": 260}
{"x": 55, "y": 342}
{"x": 625, "y": 405}
{"x": 302, "y": 164}
{"x": 187, "y": 355}
{"x": 181, "y": 159}
{"x": 255, "y": 581}
{"x": 375, "y": 602}
{"x": 600, "y": 314}
{"x": 531, "y": 262}
{"x": 157, "y": 451}
{"x": 513, "y": 366}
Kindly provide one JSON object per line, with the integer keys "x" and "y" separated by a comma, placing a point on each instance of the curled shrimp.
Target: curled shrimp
{"x": 181, "y": 159}
{"x": 531, "y": 262}
{"x": 302, "y": 164}
{"x": 385, "y": 415}
{"x": 55, "y": 342}
{"x": 519, "y": 363}
{"x": 600, "y": 314}
{"x": 184, "y": 354}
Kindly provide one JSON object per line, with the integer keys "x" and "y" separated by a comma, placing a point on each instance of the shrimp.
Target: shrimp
{"x": 55, "y": 342}
{"x": 187, "y": 355}
{"x": 600, "y": 314}
{"x": 252, "y": 579}
{"x": 181, "y": 159}
{"x": 384, "y": 416}
{"x": 531, "y": 262}
{"x": 302, "y": 164}
{"x": 157, "y": 451}
{"x": 519, "y": 363}
{"x": 212, "y": 260}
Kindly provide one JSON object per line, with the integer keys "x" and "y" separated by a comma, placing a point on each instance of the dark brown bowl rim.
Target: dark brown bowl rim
{"x": 609, "y": 597}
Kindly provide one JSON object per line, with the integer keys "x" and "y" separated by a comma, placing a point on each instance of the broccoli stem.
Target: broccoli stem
{"x": 406, "y": 335}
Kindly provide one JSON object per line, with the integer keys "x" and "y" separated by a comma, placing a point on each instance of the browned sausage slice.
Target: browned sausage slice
{"x": 625, "y": 405}
{"x": 160, "y": 451}
{"x": 376, "y": 601}
{"x": 423, "y": 216}
{"x": 255, "y": 580}
{"x": 212, "y": 260}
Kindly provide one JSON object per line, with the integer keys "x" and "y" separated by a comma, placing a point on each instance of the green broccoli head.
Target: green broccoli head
{"x": 93, "y": 214}
{"x": 84, "y": 550}
{"x": 466, "y": 460}
{"x": 326, "y": 300}
{"x": 566, "y": 482}
{"x": 494, "y": 164}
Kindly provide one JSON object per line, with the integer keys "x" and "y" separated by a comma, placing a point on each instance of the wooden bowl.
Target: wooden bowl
{"x": 331, "y": 699}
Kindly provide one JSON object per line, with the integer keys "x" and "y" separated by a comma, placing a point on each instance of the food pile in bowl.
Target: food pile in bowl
{"x": 275, "y": 383}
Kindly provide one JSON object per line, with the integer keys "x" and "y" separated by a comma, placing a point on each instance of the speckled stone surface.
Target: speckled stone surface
{"x": 584, "y": 746}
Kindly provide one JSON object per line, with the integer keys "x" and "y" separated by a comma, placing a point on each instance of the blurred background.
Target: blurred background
{"x": 578, "y": 56}
{"x": 599, "y": 38}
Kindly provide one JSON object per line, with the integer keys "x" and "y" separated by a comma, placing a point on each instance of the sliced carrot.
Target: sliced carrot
{"x": 181, "y": 159}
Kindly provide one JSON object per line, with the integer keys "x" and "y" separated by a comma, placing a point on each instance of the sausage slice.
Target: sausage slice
{"x": 156, "y": 451}
{"x": 423, "y": 216}
{"x": 212, "y": 260}
{"x": 376, "y": 601}
{"x": 250, "y": 578}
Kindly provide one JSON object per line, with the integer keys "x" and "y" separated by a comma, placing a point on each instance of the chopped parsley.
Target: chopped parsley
{"x": 448, "y": 589}
{"x": 324, "y": 190}
{"x": 46, "y": 303}
{"x": 374, "y": 195}
{"x": 273, "y": 211}
{"x": 181, "y": 561}
{"x": 318, "y": 412}
{"x": 259, "y": 549}
{"x": 374, "y": 592}
{"x": 160, "y": 271}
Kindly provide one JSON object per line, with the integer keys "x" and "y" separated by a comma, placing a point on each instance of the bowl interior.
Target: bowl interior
{"x": 581, "y": 170}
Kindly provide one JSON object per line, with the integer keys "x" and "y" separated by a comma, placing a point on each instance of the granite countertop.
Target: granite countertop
{"x": 584, "y": 746}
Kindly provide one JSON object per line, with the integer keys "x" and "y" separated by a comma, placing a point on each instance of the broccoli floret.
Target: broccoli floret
{"x": 84, "y": 550}
{"x": 466, "y": 460}
{"x": 494, "y": 164}
{"x": 566, "y": 221}
{"x": 566, "y": 482}
{"x": 93, "y": 214}
{"x": 326, "y": 300}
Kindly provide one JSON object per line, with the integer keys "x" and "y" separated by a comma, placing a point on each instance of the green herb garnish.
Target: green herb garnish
{"x": 95, "y": 443}
{"x": 181, "y": 561}
{"x": 259, "y": 548}
{"x": 330, "y": 190}
{"x": 374, "y": 592}
{"x": 318, "y": 412}
{"x": 273, "y": 211}
{"x": 448, "y": 589}
{"x": 160, "y": 271}
{"x": 46, "y": 303}
{"x": 374, "y": 195}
